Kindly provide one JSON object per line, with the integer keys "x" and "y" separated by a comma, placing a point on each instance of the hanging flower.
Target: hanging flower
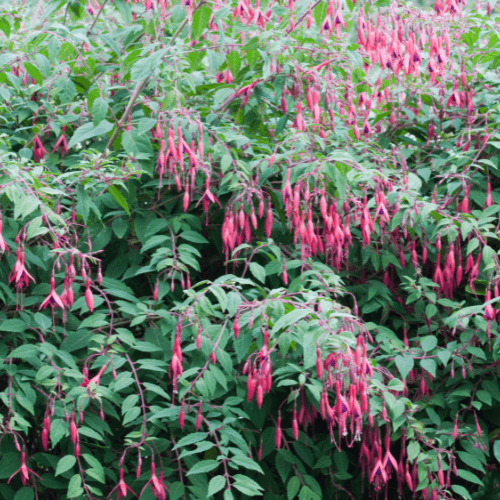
{"x": 52, "y": 299}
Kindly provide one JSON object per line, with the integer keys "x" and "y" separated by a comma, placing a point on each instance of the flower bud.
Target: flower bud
{"x": 89, "y": 298}
{"x": 182, "y": 415}
{"x": 295, "y": 425}
{"x": 236, "y": 327}
{"x": 278, "y": 434}
{"x": 198, "y": 418}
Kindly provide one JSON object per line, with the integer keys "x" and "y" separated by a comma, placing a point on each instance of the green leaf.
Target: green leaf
{"x": 290, "y": 319}
{"x": 94, "y": 463}
{"x": 193, "y": 237}
{"x": 324, "y": 461}
{"x": 469, "y": 476}
{"x": 88, "y": 131}
{"x": 33, "y": 72}
{"x": 461, "y": 491}
{"x": 293, "y": 486}
{"x": 319, "y": 12}
{"x": 131, "y": 415}
{"x": 99, "y": 110}
{"x": 138, "y": 146}
{"x": 201, "y": 19}
{"x": 43, "y": 64}
{"x": 496, "y": 449}
{"x": 24, "y": 352}
{"x": 203, "y": 466}
{"x": 65, "y": 464}
{"x": 246, "y": 462}
{"x": 220, "y": 96}
{"x": 43, "y": 321}
{"x": 428, "y": 343}
{"x": 216, "y": 484}
{"x": 246, "y": 485}
{"x": 221, "y": 296}
{"x": 13, "y": 325}
{"x": 444, "y": 355}
{"x": 118, "y": 197}
{"x": 305, "y": 493}
{"x": 429, "y": 365}
{"x": 471, "y": 461}
{"x": 75, "y": 486}
{"x": 58, "y": 429}
{"x": 25, "y": 493}
{"x": 145, "y": 67}
{"x": 190, "y": 439}
{"x": 5, "y": 26}
{"x": 258, "y": 271}
{"x": 234, "y": 62}
{"x": 120, "y": 227}
{"x": 177, "y": 489}
{"x": 404, "y": 364}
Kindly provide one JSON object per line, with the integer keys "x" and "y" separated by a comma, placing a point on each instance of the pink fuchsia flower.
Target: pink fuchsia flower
{"x": 38, "y": 150}
{"x": 19, "y": 273}
{"x": 96, "y": 379}
{"x": 24, "y": 471}
{"x": 62, "y": 144}
{"x": 3, "y": 245}
{"x": 156, "y": 483}
{"x": 52, "y": 299}
{"x": 122, "y": 488}
{"x": 378, "y": 475}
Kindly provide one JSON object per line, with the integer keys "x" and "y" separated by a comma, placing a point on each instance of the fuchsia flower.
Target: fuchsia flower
{"x": 96, "y": 379}
{"x": 378, "y": 475}
{"x": 38, "y": 150}
{"x": 62, "y": 144}
{"x": 24, "y": 471}
{"x": 3, "y": 245}
{"x": 122, "y": 488}
{"x": 19, "y": 273}
{"x": 157, "y": 485}
{"x": 52, "y": 299}
{"x": 208, "y": 197}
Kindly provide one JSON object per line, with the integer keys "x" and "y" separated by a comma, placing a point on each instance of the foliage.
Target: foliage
{"x": 249, "y": 250}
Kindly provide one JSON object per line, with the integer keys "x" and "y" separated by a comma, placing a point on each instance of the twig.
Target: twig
{"x": 97, "y": 17}
{"x": 141, "y": 85}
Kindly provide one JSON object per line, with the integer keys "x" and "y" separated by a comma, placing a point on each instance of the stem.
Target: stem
{"x": 128, "y": 109}
{"x": 96, "y": 17}
{"x": 288, "y": 31}
{"x": 143, "y": 402}
{"x": 141, "y": 85}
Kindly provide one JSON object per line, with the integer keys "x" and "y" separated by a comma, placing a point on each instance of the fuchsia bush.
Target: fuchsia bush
{"x": 249, "y": 250}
